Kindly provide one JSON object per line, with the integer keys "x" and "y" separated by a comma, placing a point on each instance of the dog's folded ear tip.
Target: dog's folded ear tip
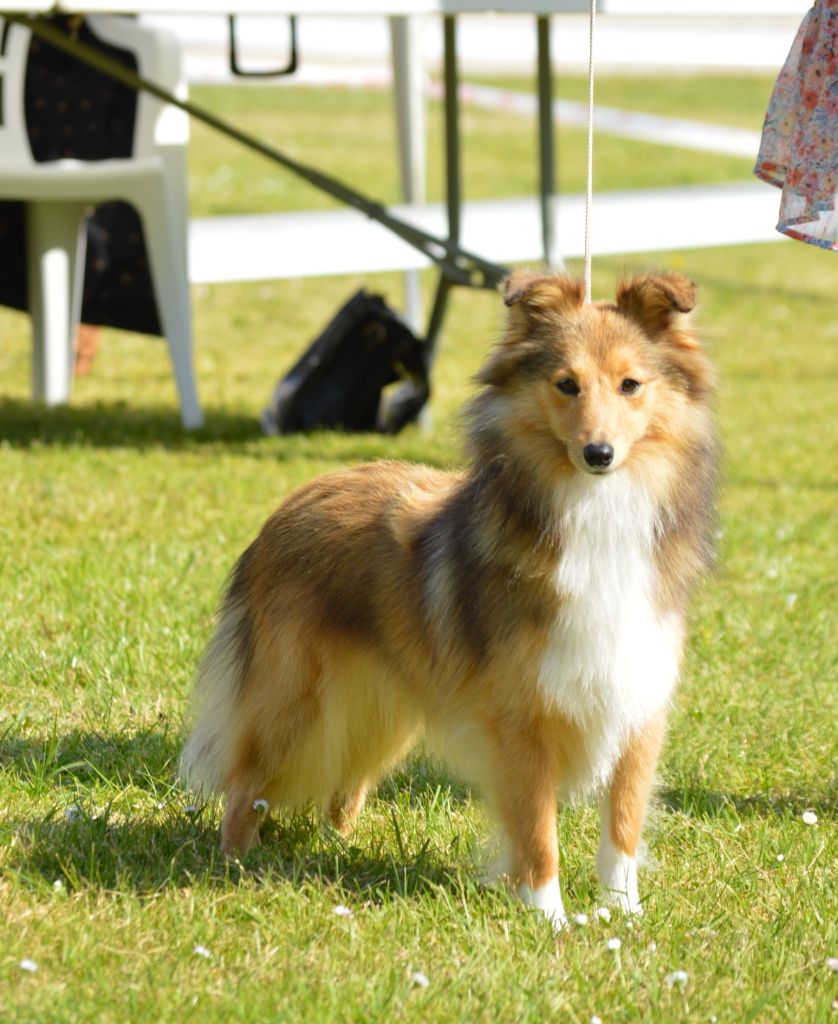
{"x": 681, "y": 290}
{"x": 674, "y": 290}
{"x": 541, "y": 289}
{"x": 513, "y": 296}
{"x": 655, "y": 300}
{"x": 516, "y": 285}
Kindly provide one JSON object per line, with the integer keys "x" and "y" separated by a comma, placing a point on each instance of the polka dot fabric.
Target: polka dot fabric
{"x": 71, "y": 109}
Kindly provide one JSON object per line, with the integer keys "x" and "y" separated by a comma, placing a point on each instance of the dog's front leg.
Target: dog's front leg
{"x": 526, "y": 794}
{"x": 623, "y": 811}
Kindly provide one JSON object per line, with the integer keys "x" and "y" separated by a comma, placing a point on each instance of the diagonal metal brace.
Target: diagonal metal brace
{"x": 458, "y": 265}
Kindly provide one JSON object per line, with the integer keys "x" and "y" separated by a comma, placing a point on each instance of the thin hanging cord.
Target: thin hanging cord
{"x": 589, "y": 191}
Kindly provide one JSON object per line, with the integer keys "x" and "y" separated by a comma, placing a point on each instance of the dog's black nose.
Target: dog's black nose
{"x": 598, "y": 455}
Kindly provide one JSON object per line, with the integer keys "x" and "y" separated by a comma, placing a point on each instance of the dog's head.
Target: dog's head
{"x": 591, "y": 387}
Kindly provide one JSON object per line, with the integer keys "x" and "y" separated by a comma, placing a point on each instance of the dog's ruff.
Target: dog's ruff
{"x": 526, "y": 616}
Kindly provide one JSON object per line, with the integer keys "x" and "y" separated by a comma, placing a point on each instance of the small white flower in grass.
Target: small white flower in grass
{"x": 72, "y": 813}
{"x": 832, "y": 963}
{"x": 781, "y": 857}
{"x": 791, "y": 601}
{"x": 260, "y": 806}
{"x": 202, "y": 951}
{"x": 613, "y": 944}
{"x": 653, "y": 947}
{"x": 603, "y": 913}
{"x": 341, "y": 911}
{"x": 809, "y": 818}
{"x": 58, "y": 885}
{"x": 581, "y": 919}
{"x": 596, "y": 1020}
{"x": 419, "y": 979}
{"x": 679, "y": 978}
{"x": 28, "y": 965}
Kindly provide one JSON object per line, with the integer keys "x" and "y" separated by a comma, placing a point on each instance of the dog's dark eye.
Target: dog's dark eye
{"x": 568, "y": 386}
{"x": 629, "y": 386}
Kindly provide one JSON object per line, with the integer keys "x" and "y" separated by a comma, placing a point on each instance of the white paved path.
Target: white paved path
{"x": 289, "y": 245}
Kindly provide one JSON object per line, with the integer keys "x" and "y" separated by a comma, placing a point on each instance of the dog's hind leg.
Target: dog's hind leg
{"x": 278, "y": 707}
{"x": 345, "y": 806}
{"x": 623, "y": 811}
{"x": 246, "y": 804}
{"x": 240, "y": 828}
{"x": 525, "y": 791}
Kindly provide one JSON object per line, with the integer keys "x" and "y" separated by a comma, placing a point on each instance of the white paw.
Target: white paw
{"x": 618, "y": 879}
{"x": 628, "y": 902}
{"x": 548, "y": 900}
{"x": 557, "y": 919}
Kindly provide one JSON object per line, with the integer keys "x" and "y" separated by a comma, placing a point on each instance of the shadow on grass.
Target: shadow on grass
{"x": 105, "y": 425}
{"x": 117, "y": 425}
{"x": 146, "y": 856}
{"x": 171, "y": 842}
{"x": 142, "y": 759}
{"x": 697, "y": 802}
{"x": 92, "y": 836}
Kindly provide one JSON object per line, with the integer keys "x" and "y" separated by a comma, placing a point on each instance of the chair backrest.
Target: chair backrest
{"x": 157, "y": 126}
{"x": 14, "y": 142}
{"x": 158, "y": 57}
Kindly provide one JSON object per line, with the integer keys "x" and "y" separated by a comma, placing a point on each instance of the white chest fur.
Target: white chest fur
{"x": 612, "y": 661}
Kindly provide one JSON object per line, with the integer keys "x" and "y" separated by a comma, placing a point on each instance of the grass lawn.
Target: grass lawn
{"x": 117, "y": 530}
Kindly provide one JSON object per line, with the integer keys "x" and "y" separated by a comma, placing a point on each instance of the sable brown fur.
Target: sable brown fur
{"x": 394, "y": 601}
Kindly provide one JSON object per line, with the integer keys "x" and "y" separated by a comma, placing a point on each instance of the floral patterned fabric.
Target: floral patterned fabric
{"x": 799, "y": 150}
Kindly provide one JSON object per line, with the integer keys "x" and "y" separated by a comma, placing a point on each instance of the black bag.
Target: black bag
{"x": 339, "y": 381}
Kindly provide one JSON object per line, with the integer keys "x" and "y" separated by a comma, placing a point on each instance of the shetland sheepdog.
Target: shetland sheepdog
{"x": 526, "y": 616}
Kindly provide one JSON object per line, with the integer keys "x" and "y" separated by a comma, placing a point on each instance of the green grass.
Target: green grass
{"x": 734, "y": 99}
{"x": 116, "y": 532}
{"x": 499, "y": 149}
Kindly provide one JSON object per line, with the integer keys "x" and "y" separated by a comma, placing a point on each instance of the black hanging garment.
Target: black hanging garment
{"x": 74, "y": 111}
{"x": 340, "y": 381}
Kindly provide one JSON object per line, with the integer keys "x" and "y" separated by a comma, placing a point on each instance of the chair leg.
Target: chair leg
{"x": 163, "y": 212}
{"x": 55, "y": 248}
{"x": 408, "y": 90}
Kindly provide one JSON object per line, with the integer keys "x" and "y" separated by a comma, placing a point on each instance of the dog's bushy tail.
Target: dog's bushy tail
{"x": 206, "y": 760}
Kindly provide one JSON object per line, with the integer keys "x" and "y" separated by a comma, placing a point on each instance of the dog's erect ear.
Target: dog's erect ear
{"x": 539, "y": 294}
{"x": 655, "y": 300}
{"x": 661, "y": 304}
{"x": 532, "y": 299}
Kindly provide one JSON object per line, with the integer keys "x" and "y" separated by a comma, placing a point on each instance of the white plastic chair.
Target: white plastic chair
{"x": 57, "y": 194}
